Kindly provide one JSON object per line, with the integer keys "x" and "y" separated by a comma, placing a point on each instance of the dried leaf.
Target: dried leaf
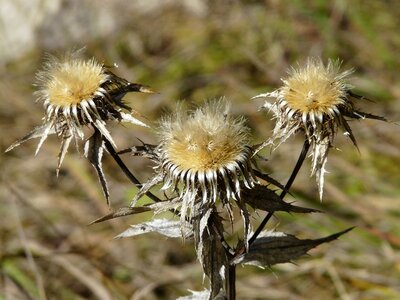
{"x": 210, "y": 250}
{"x": 157, "y": 208}
{"x": 168, "y": 205}
{"x": 165, "y": 227}
{"x": 122, "y": 212}
{"x": 146, "y": 187}
{"x": 129, "y": 118}
{"x": 277, "y": 247}
{"x": 349, "y": 132}
{"x": 94, "y": 153}
{"x": 146, "y": 150}
{"x": 261, "y": 197}
{"x": 201, "y": 226}
{"x": 362, "y": 115}
{"x": 268, "y": 178}
{"x": 100, "y": 125}
{"x": 118, "y": 87}
{"x": 319, "y": 154}
{"x": 246, "y": 222}
{"x": 37, "y": 132}
{"x": 66, "y": 140}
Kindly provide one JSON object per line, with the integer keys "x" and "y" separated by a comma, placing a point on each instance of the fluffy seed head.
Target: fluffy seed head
{"x": 313, "y": 99}
{"x": 206, "y": 149}
{"x": 77, "y": 93}
{"x": 315, "y": 88}
{"x": 204, "y": 141}
{"x": 68, "y": 82}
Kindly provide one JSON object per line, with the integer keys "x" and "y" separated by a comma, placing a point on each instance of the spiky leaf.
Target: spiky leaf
{"x": 146, "y": 187}
{"x": 165, "y": 227}
{"x": 261, "y": 197}
{"x": 122, "y": 212}
{"x": 277, "y": 247}
{"x": 94, "y": 147}
{"x": 146, "y": 150}
{"x": 37, "y": 132}
{"x": 211, "y": 253}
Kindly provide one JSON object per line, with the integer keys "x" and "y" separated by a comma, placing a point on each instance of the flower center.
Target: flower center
{"x": 203, "y": 152}
{"x": 205, "y": 140}
{"x": 74, "y": 81}
{"x": 315, "y": 89}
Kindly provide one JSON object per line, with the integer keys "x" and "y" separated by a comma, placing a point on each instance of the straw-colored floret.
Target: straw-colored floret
{"x": 207, "y": 140}
{"x": 315, "y": 89}
{"x": 69, "y": 82}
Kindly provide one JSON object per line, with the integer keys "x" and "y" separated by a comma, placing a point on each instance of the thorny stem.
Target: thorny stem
{"x": 125, "y": 169}
{"x": 288, "y": 185}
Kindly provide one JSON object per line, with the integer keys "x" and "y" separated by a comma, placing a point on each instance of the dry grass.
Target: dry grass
{"x": 192, "y": 52}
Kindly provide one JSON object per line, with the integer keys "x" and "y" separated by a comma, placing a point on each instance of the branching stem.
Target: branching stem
{"x": 297, "y": 167}
{"x": 125, "y": 169}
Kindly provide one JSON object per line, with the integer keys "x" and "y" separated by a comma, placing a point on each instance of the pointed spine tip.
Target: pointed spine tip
{"x": 136, "y": 87}
{"x": 258, "y": 96}
{"x": 145, "y": 89}
{"x": 9, "y": 149}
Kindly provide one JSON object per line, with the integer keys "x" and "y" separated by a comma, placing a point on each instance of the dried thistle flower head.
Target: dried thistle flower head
{"x": 204, "y": 154}
{"x": 77, "y": 93}
{"x": 314, "y": 99}
{"x": 316, "y": 91}
{"x": 205, "y": 149}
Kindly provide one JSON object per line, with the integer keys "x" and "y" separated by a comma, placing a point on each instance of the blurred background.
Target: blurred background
{"x": 189, "y": 51}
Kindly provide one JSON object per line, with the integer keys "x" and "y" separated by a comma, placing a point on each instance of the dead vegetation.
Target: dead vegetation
{"x": 191, "y": 52}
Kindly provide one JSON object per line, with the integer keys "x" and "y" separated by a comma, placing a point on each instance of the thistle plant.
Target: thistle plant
{"x": 316, "y": 100}
{"x": 78, "y": 93}
{"x": 205, "y": 166}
